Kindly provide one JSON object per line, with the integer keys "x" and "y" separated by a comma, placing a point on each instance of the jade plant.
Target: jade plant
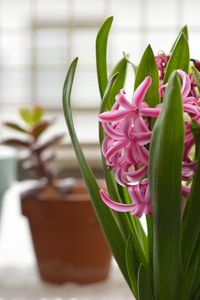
{"x": 150, "y": 145}
{"x": 37, "y": 157}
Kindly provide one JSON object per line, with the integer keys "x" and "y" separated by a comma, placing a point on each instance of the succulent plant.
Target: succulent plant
{"x": 37, "y": 159}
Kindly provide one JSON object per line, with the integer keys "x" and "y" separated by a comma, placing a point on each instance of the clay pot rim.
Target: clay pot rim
{"x": 33, "y": 194}
{"x": 70, "y": 198}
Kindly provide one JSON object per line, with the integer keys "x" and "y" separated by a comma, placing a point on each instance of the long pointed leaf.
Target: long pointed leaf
{"x": 196, "y": 74}
{"x": 132, "y": 265}
{"x": 121, "y": 69}
{"x": 179, "y": 58}
{"x": 197, "y": 296}
{"x": 144, "y": 285}
{"x": 166, "y": 154}
{"x": 104, "y": 214}
{"x": 187, "y": 284}
{"x": 191, "y": 226}
{"x": 101, "y": 52}
{"x": 148, "y": 67}
{"x": 183, "y": 30}
{"x": 197, "y": 275}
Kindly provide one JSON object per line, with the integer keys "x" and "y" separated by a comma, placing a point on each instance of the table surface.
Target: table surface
{"x": 19, "y": 278}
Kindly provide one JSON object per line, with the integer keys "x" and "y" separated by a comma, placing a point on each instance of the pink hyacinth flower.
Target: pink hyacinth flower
{"x": 129, "y": 109}
{"x": 127, "y": 139}
{"x": 141, "y": 200}
{"x": 190, "y": 104}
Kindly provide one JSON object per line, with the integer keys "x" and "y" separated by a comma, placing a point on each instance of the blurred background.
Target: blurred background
{"x": 38, "y": 40}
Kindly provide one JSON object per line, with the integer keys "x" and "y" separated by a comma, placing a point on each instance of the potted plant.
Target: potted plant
{"x": 67, "y": 239}
{"x": 150, "y": 150}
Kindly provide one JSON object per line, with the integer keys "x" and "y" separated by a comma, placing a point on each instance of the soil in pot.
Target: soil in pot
{"x": 67, "y": 238}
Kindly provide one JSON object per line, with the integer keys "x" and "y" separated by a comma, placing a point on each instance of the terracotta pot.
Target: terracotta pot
{"x": 68, "y": 241}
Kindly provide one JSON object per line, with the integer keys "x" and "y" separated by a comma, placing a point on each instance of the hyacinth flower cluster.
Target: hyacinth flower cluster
{"x": 150, "y": 145}
{"x": 128, "y": 136}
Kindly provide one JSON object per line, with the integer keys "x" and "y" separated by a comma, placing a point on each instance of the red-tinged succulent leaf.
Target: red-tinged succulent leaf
{"x": 55, "y": 140}
{"x": 26, "y": 115}
{"x": 16, "y": 143}
{"x": 15, "y": 126}
{"x": 37, "y": 114}
{"x": 39, "y": 128}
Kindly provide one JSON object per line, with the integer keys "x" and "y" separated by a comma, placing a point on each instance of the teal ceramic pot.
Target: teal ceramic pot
{"x": 7, "y": 169}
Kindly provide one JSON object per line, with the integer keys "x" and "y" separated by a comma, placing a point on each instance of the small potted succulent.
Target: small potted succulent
{"x": 67, "y": 239}
{"x": 151, "y": 156}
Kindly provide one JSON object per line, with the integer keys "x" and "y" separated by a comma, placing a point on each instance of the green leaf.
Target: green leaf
{"x": 104, "y": 214}
{"x": 188, "y": 281}
{"x": 148, "y": 67}
{"x": 145, "y": 291}
{"x": 197, "y": 275}
{"x": 101, "y": 54}
{"x": 15, "y": 127}
{"x": 196, "y": 74}
{"x": 197, "y": 296}
{"x": 121, "y": 69}
{"x": 179, "y": 58}
{"x": 184, "y": 30}
{"x": 26, "y": 115}
{"x": 131, "y": 264}
{"x": 166, "y": 153}
{"x": 149, "y": 221}
{"x": 37, "y": 114}
{"x": 191, "y": 225}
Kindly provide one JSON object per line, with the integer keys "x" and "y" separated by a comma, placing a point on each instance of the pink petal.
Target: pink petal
{"x": 186, "y": 83}
{"x": 135, "y": 153}
{"x": 141, "y": 91}
{"x": 115, "y": 205}
{"x": 112, "y": 133}
{"x": 119, "y": 177}
{"x": 150, "y": 112}
{"x": 122, "y": 100}
{"x": 105, "y": 145}
{"x": 143, "y": 154}
{"x": 140, "y": 124}
{"x": 185, "y": 190}
{"x": 136, "y": 175}
{"x": 115, "y": 148}
{"x": 143, "y": 138}
{"x": 128, "y": 152}
{"x": 138, "y": 210}
{"x": 134, "y": 192}
{"x": 148, "y": 208}
{"x": 114, "y": 115}
{"x": 190, "y": 100}
{"x": 191, "y": 109}
{"x": 147, "y": 194}
{"x": 162, "y": 89}
{"x": 115, "y": 106}
{"x": 125, "y": 126}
